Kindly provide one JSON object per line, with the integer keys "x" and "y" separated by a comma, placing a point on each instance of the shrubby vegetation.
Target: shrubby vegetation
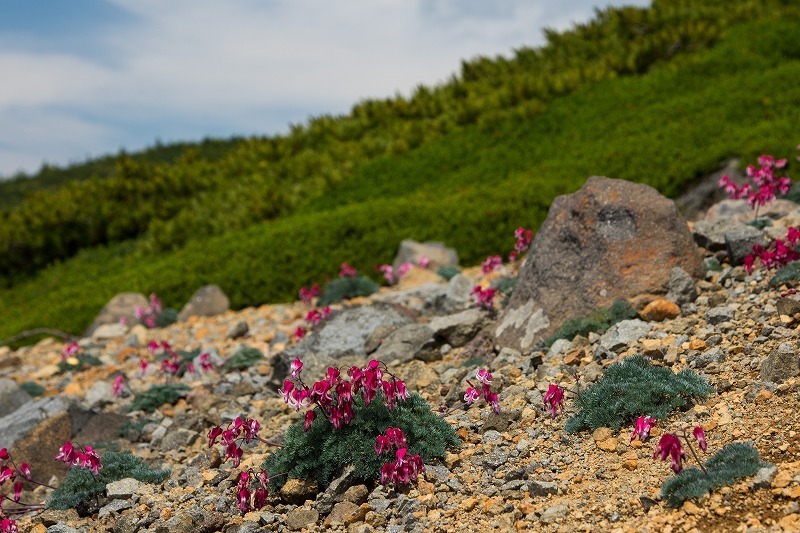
{"x": 657, "y": 95}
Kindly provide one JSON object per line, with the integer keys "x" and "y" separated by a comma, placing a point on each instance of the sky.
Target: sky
{"x": 85, "y": 78}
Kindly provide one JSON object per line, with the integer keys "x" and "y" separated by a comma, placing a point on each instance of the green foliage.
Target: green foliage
{"x": 599, "y": 320}
{"x": 244, "y": 358}
{"x": 32, "y": 388}
{"x": 712, "y": 263}
{"x": 84, "y": 360}
{"x": 323, "y": 451}
{"x": 158, "y": 395}
{"x": 345, "y": 288}
{"x": 786, "y": 274}
{"x": 79, "y": 485}
{"x": 730, "y": 464}
{"x": 633, "y": 388}
{"x": 472, "y": 178}
{"x": 448, "y": 273}
{"x": 166, "y": 317}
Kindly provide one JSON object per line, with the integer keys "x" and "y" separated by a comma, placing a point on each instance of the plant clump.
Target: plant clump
{"x": 345, "y": 288}
{"x": 158, "y": 395}
{"x": 244, "y": 358}
{"x": 633, "y": 388}
{"x": 81, "y": 485}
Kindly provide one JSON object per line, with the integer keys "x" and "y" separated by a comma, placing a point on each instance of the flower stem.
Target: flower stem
{"x": 694, "y": 453}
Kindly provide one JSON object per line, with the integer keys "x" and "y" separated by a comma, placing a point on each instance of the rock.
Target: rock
{"x": 739, "y": 242}
{"x": 405, "y": 343}
{"x": 11, "y": 397}
{"x": 208, "y": 300}
{"x": 238, "y": 330}
{"x": 459, "y": 328}
{"x": 121, "y": 305}
{"x": 457, "y": 296}
{"x": 718, "y": 315}
{"x": 681, "y": 287}
{"x": 660, "y": 310}
{"x": 346, "y": 513}
{"x": 297, "y": 491}
{"x": 61, "y": 528}
{"x": 101, "y": 427}
{"x": 711, "y": 234}
{"x": 764, "y": 476}
{"x": 740, "y": 211}
{"x": 100, "y": 393}
{"x": 783, "y": 363}
{"x": 713, "y": 355}
{"x": 611, "y": 240}
{"x": 356, "y": 494}
{"x": 438, "y": 254}
{"x": 22, "y": 422}
{"x": 542, "y": 488}
{"x": 109, "y": 331}
{"x": 124, "y": 488}
{"x": 554, "y": 513}
{"x": 788, "y": 305}
{"x": 419, "y": 376}
{"x": 301, "y": 517}
{"x": 335, "y": 491}
{"x": 177, "y": 438}
{"x": 344, "y": 334}
{"x": 624, "y": 333}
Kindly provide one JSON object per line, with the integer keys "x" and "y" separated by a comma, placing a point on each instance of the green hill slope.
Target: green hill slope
{"x": 470, "y": 185}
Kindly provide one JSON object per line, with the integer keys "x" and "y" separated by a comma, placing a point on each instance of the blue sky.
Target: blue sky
{"x": 82, "y": 78}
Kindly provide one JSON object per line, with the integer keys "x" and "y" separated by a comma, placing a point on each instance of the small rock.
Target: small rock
{"x": 782, "y": 364}
{"x": 554, "y": 513}
{"x": 542, "y": 488}
{"x": 238, "y": 330}
{"x": 206, "y": 301}
{"x": 123, "y": 489}
{"x": 356, "y": 494}
{"x": 718, "y": 315}
{"x": 298, "y": 491}
{"x": 113, "y": 507}
{"x": 660, "y": 310}
{"x": 346, "y": 513}
{"x": 109, "y": 331}
{"x": 301, "y": 517}
{"x": 764, "y": 476}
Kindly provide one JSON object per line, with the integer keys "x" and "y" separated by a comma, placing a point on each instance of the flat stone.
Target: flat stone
{"x": 783, "y": 363}
{"x": 113, "y": 507}
{"x": 123, "y": 489}
{"x": 660, "y": 310}
{"x": 299, "y": 490}
{"x": 109, "y": 331}
{"x": 301, "y": 517}
{"x": 346, "y": 513}
{"x": 11, "y": 397}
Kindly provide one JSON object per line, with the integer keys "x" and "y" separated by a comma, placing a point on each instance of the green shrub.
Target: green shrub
{"x": 323, "y": 451}
{"x": 505, "y": 285}
{"x": 448, "y": 273}
{"x": 346, "y": 288}
{"x": 158, "y": 395}
{"x": 79, "y": 486}
{"x": 32, "y": 388}
{"x": 244, "y": 358}
{"x": 633, "y": 388}
{"x": 166, "y": 317}
{"x": 730, "y": 464}
{"x": 786, "y": 274}
{"x": 600, "y": 320}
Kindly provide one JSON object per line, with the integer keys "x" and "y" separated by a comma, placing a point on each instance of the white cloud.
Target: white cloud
{"x": 199, "y": 67}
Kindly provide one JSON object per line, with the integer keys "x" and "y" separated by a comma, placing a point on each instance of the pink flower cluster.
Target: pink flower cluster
{"x": 247, "y": 500}
{"x": 118, "y": 387}
{"x": 149, "y": 315}
{"x": 554, "y": 399}
{"x": 346, "y": 271}
{"x": 764, "y": 183}
{"x": 334, "y": 395}
{"x": 484, "y": 298}
{"x": 70, "y": 350}
{"x": 524, "y": 238}
{"x": 472, "y": 394}
{"x": 642, "y": 427}
{"x": 315, "y": 316}
{"x": 779, "y": 253}
{"x": 670, "y": 447}
{"x": 403, "y": 470}
{"x": 83, "y": 457}
{"x": 390, "y": 275}
{"x": 172, "y": 364}
{"x": 307, "y": 295}
{"x": 423, "y": 261}
{"x": 8, "y": 526}
{"x": 491, "y": 263}
{"x": 237, "y": 432}
{"x": 11, "y": 474}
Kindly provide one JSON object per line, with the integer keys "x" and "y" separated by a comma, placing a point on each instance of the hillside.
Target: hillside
{"x": 661, "y": 96}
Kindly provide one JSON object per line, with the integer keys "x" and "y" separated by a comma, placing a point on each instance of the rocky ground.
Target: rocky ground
{"x": 518, "y": 470}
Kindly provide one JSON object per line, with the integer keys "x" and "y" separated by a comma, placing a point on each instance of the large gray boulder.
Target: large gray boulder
{"x": 610, "y": 240}
{"x": 11, "y": 396}
{"x": 208, "y": 300}
{"x": 120, "y": 306}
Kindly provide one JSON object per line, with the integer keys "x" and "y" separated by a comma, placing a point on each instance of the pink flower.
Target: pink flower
{"x": 6, "y": 473}
{"x": 642, "y": 427}
{"x": 25, "y": 470}
{"x": 700, "y": 435}
{"x": 17, "y": 490}
{"x": 472, "y": 395}
{"x": 484, "y": 376}
{"x": 404, "y": 269}
{"x": 4, "y": 454}
{"x": 554, "y": 399}
{"x": 205, "y": 364}
{"x": 346, "y": 271}
{"x": 310, "y": 416}
{"x": 307, "y": 295}
{"x": 215, "y": 432}
{"x": 296, "y": 367}
{"x": 8, "y": 526}
{"x": 66, "y": 453}
{"x": 491, "y": 263}
{"x": 388, "y": 273}
{"x": 670, "y": 446}
{"x": 299, "y": 333}
{"x": 484, "y": 298}
{"x": 423, "y": 261}
{"x": 118, "y": 386}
